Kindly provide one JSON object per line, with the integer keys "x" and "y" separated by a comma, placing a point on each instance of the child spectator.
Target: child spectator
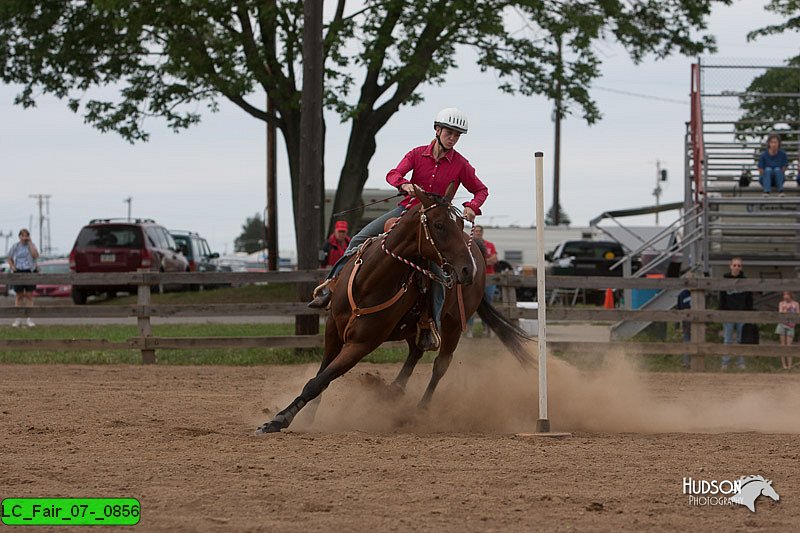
{"x": 785, "y": 330}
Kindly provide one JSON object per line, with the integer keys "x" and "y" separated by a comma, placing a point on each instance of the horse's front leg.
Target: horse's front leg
{"x": 344, "y": 361}
{"x": 451, "y": 334}
{"x": 398, "y": 386}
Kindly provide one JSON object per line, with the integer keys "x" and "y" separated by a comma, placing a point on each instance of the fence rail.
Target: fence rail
{"x": 144, "y": 310}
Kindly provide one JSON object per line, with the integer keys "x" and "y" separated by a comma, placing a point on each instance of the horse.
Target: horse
{"x": 385, "y": 295}
{"x": 751, "y": 488}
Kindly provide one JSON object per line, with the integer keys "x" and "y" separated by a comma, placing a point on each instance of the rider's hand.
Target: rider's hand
{"x": 407, "y": 188}
{"x": 469, "y": 214}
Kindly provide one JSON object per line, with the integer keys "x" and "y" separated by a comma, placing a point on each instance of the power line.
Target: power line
{"x": 640, "y": 95}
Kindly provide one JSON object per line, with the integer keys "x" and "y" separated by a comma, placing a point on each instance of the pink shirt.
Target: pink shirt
{"x": 434, "y": 176}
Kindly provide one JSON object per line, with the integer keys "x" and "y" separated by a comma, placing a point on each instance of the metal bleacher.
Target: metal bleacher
{"x": 724, "y": 146}
{"x": 723, "y": 217}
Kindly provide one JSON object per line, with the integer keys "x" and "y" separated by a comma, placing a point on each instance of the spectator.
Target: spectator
{"x": 772, "y": 166}
{"x": 685, "y": 302}
{"x": 22, "y": 258}
{"x": 335, "y": 246}
{"x": 785, "y": 330}
{"x": 489, "y": 252}
{"x": 734, "y": 300}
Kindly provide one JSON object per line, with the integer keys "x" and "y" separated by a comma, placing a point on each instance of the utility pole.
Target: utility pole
{"x": 6, "y": 236}
{"x": 661, "y": 175}
{"x": 271, "y": 218}
{"x": 309, "y": 221}
{"x": 128, "y": 201}
{"x": 40, "y": 199}
{"x": 557, "y": 150}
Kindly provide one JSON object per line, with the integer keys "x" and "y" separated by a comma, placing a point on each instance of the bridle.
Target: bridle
{"x": 424, "y": 229}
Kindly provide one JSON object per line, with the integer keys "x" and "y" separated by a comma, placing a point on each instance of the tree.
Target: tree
{"x": 763, "y": 113}
{"x": 163, "y": 57}
{"x": 253, "y": 237}
{"x": 563, "y": 218}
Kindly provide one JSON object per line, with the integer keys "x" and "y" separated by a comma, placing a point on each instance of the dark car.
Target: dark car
{"x": 585, "y": 258}
{"x": 196, "y": 250}
{"x": 53, "y": 266}
{"x": 121, "y": 245}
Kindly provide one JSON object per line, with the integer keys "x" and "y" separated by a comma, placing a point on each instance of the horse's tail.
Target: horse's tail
{"x": 510, "y": 335}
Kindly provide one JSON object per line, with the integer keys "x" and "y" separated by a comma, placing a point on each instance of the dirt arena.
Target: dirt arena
{"x": 180, "y": 439}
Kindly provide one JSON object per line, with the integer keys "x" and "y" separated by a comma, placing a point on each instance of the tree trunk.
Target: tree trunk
{"x": 355, "y": 172}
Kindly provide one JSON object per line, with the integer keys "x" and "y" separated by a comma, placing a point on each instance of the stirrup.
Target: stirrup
{"x": 321, "y": 287}
{"x": 433, "y": 342}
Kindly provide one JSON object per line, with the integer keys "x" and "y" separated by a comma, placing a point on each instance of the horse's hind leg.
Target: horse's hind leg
{"x": 414, "y": 355}
{"x": 333, "y": 345}
{"x": 451, "y": 334}
{"x": 347, "y": 359}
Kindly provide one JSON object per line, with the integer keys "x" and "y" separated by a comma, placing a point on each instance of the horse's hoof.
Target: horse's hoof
{"x": 269, "y": 427}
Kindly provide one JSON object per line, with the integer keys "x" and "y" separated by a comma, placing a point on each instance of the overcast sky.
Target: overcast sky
{"x": 210, "y": 178}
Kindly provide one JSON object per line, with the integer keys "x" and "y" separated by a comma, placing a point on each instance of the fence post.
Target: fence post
{"x": 143, "y": 318}
{"x": 509, "y": 295}
{"x": 698, "y": 363}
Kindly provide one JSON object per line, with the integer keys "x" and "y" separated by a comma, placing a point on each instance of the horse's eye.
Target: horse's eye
{"x": 438, "y": 225}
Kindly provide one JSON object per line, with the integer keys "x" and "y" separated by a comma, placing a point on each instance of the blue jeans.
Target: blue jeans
{"x": 771, "y": 176}
{"x": 686, "y": 327}
{"x": 727, "y": 331}
{"x": 376, "y": 228}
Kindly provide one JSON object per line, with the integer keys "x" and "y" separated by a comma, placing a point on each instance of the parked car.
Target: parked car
{"x": 121, "y": 245}
{"x": 585, "y": 258}
{"x": 196, "y": 250}
{"x": 54, "y": 266}
{"x": 4, "y": 268}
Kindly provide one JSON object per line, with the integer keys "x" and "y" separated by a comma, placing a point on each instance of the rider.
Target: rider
{"x": 434, "y": 166}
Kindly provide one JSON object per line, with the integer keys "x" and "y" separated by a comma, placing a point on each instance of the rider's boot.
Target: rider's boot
{"x": 428, "y": 338}
{"x": 322, "y": 296}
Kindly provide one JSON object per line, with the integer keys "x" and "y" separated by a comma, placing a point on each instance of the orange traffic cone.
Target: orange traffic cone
{"x": 609, "y": 301}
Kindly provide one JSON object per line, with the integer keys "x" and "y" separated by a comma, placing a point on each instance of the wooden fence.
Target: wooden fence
{"x": 144, "y": 310}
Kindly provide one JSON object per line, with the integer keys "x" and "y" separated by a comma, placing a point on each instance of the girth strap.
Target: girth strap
{"x": 461, "y": 308}
{"x": 356, "y": 311}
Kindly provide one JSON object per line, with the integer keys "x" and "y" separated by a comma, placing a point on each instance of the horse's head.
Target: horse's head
{"x": 441, "y": 238}
{"x": 767, "y": 490}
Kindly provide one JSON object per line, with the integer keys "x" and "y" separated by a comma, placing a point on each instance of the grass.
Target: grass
{"x": 272, "y": 292}
{"x": 672, "y": 363}
{"x": 215, "y": 356}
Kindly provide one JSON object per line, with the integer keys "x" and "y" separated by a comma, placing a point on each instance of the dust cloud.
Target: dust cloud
{"x": 487, "y": 391}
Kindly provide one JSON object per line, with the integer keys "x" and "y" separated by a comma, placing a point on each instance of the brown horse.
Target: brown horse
{"x": 380, "y": 298}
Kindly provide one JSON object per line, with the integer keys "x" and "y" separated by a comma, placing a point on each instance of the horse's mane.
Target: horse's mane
{"x": 747, "y": 479}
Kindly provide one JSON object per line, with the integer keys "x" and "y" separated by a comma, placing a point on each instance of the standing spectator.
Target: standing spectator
{"x": 772, "y": 165}
{"x": 489, "y": 252}
{"x": 785, "y": 330}
{"x": 733, "y": 300}
{"x": 685, "y": 302}
{"x": 22, "y": 258}
{"x": 490, "y": 256}
{"x": 335, "y": 246}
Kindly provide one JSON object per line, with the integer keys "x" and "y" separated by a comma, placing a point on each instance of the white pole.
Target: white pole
{"x": 542, "y": 424}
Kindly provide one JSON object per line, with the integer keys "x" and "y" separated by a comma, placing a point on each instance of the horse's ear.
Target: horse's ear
{"x": 450, "y": 192}
{"x": 426, "y": 200}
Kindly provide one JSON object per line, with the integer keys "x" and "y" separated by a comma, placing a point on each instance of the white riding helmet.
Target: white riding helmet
{"x": 452, "y": 118}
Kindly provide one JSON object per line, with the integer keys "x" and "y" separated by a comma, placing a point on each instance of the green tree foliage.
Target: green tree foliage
{"x": 764, "y": 114}
{"x": 253, "y": 237}
{"x": 120, "y": 62}
{"x": 563, "y": 218}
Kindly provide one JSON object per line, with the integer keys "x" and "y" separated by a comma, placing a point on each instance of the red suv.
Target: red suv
{"x": 122, "y": 245}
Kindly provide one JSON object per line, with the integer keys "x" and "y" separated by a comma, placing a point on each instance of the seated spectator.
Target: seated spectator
{"x": 772, "y": 166}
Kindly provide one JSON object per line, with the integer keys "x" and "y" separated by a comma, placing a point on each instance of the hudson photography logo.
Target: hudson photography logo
{"x": 743, "y": 491}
